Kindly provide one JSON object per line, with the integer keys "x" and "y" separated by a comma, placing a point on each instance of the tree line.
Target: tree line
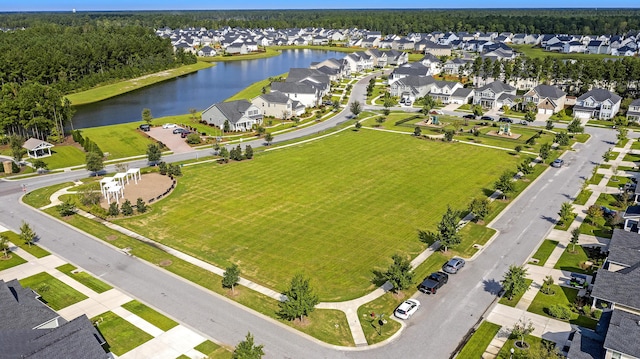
{"x": 388, "y": 21}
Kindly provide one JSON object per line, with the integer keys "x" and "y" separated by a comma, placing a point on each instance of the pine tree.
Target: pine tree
{"x": 300, "y": 299}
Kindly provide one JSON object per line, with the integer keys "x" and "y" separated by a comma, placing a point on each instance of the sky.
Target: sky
{"x": 111, "y": 5}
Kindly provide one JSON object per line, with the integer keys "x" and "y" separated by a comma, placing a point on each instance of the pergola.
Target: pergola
{"x": 121, "y": 177}
{"x": 135, "y": 174}
{"x": 116, "y": 191}
{"x": 37, "y": 148}
{"x": 105, "y": 183}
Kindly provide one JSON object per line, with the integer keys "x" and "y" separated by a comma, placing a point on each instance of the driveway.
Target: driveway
{"x": 175, "y": 143}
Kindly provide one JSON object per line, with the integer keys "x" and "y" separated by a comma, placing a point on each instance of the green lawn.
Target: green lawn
{"x": 214, "y": 351}
{"x": 269, "y": 52}
{"x": 106, "y": 91}
{"x": 505, "y": 351}
{"x": 123, "y": 140}
{"x": 34, "y": 249}
{"x": 583, "y": 197}
{"x": 121, "y": 335}
{"x": 570, "y": 261}
{"x": 537, "y": 52}
{"x": 635, "y": 145}
{"x": 563, "y": 296}
{"x": 544, "y": 251}
{"x": 150, "y": 315}
{"x": 516, "y": 298}
{"x": 12, "y": 260}
{"x": 65, "y": 156}
{"x": 373, "y": 330}
{"x": 54, "y": 292}
{"x": 472, "y": 234}
{"x": 479, "y": 341}
{"x": 632, "y": 157}
{"x": 41, "y": 197}
{"x": 310, "y": 213}
{"x": 253, "y": 90}
{"x": 596, "y": 178}
{"x": 85, "y": 278}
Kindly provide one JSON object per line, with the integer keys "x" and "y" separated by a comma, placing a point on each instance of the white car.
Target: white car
{"x": 407, "y": 308}
{"x": 169, "y": 125}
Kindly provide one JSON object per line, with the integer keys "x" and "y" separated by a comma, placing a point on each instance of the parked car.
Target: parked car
{"x": 145, "y": 127}
{"x": 407, "y": 308}
{"x": 179, "y": 130}
{"x": 185, "y": 134}
{"x": 487, "y": 118}
{"x": 524, "y": 123}
{"x": 557, "y": 163}
{"x": 505, "y": 119}
{"x": 169, "y": 125}
{"x": 433, "y": 282}
{"x": 470, "y": 116}
{"x": 453, "y": 265}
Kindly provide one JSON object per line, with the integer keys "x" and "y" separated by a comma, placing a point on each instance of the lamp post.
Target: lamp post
{"x": 512, "y": 351}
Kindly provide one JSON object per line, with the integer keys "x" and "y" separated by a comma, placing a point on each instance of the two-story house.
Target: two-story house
{"x": 277, "y": 104}
{"x": 633, "y": 113}
{"x": 411, "y": 87}
{"x": 241, "y": 115}
{"x": 494, "y": 95}
{"x": 598, "y": 103}
{"x": 548, "y": 99}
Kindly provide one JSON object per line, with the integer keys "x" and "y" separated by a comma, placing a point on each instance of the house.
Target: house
{"x": 461, "y": 96}
{"x": 37, "y": 148}
{"x": 633, "y": 113}
{"x": 397, "y": 58}
{"x": 30, "y": 329}
{"x": 598, "y": 103}
{"x": 412, "y": 69}
{"x": 548, "y": 99}
{"x": 443, "y": 90}
{"x": 433, "y": 63}
{"x": 574, "y": 46}
{"x": 305, "y": 93}
{"x": 237, "y": 49}
{"x": 379, "y": 57}
{"x": 206, "y": 51}
{"x": 277, "y": 104}
{"x": 494, "y": 95}
{"x": 597, "y": 47}
{"x": 240, "y": 114}
{"x": 437, "y": 49}
{"x": 412, "y": 87}
{"x": 457, "y": 66}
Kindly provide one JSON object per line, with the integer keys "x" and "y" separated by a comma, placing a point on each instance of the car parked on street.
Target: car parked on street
{"x": 557, "y": 163}
{"x": 470, "y": 116}
{"x": 179, "y": 130}
{"x": 453, "y": 265}
{"x": 505, "y": 119}
{"x": 407, "y": 308}
{"x": 434, "y": 281}
{"x": 169, "y": 125}
{"x": 524, "y": 123}
{"x": 487, "y": 118}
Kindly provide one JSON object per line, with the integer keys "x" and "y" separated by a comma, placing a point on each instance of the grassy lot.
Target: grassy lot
{"x": 34, "y": 249}
{"x": 582, "y": 137}
{"x": 85, "y": 278}
{"x": 537, "y": 52}
{"x": 633, "y": 157}
{"x": 269, "y": 52}
{"x": 54, "y": 292}
{"x": 514, "y": 301}
{"x": 472, "y": 234}
{"x": 150, "y": 315}
{"x": 596, "y": 178}
{"x": 311, "y": 214}
{"x": 65, "y": 156}
{"x": 563, "y": 296}
{"x": 41, "y": 197}
{"x": 479, "y": 341}
{"x": 104, "y": 92}
{"x": 328, "y": 325}
{"x": 121, "y": 335}
{"x": 565, "y": 224}
{"x": 622, "y": 143}
{"x": 635, "y": 145}
{"x": 12, "y": 260}
{"x": 505, "y": 351}
{"x": 254, "y": 90}
{"x": 544, "y": 251}
{"x": 583, "y": 197}
{"x": 213, "y": 350}
{"x": 570, "y": 261}
{"x": 122, "y": 140}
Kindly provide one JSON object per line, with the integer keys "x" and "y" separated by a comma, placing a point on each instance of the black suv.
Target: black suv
{"x": 505, "y": 119}
{"x": 146, "y": 128}
{"x": 433, "y": 282}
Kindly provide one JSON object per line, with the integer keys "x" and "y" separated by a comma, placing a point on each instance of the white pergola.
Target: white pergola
{"x": 104, "y": 185}
{"x": 116, "y": 191}
{"x": 121, "y": 177}
{"x": 135, "y": 174}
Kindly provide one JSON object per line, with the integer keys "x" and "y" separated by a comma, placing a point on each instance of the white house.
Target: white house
{"x": 240, "y": 114}
{"x": 598, "y": 103}
{"x": 277, "y": 104}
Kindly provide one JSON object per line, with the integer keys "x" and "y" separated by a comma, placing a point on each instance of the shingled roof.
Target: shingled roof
{"x": 623, "y": 333}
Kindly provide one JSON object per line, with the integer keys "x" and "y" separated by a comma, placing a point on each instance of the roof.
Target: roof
{"x": 36, "y": 144}
{"x": 624, "y": 248}
{"x": 623, "y": 333}
{"x": 293, "y": 87}
{"x": 21, "y": 309}
{"x": 549, "y": 91}
{"x": 416, "y": 81}
{"x": 233, "y": 110}
{"x": 275, "y": 97}
{"x": 497, "y": 87}
{"x": 600, "y": 95}
{"x": 585, "y": 345}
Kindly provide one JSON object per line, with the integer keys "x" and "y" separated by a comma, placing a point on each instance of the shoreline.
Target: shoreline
{"x": 104, "y": 92}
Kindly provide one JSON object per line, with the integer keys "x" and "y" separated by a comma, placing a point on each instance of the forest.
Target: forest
{"x": 388, "y": 21}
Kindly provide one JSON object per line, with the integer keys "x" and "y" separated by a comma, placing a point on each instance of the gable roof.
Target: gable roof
{"x": 549, "y": 91}
{"x": 36, "y": 144}
{"x": 293, "y": 87}
{"x": 275, "y": 97}
{"x": 600, "y": 95}
{"x": 233, "y": 110}
{"x": 623, "y": 333}
{"x": 497, "y": 87}
{"x": 21, "y": 309}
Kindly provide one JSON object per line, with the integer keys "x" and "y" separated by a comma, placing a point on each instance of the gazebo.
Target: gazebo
{"x": 37, "y": 148}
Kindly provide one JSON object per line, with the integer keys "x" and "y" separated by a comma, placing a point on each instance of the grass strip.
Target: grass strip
{"x": 150, "y": 315}
{"x": 54, "y": 292}
{"x": 85, "y": 278}
{"x": 121, "y": 335}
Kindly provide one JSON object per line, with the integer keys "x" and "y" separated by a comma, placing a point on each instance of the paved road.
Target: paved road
{"x": 434, "y": 331}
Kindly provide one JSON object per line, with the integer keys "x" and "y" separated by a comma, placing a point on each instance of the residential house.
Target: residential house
{"x": 206, "y": 51}
{"x": 241, "y": 115}
{"x": 237, "y": 48}
{"x": 412, "y": 69}
{"x": 633, "y": 113}
{"x": 378, "y": 57}
{"x": 305, "y": 93}
{"x": 433, "y": 63}
{"x": 548, "y": 99}
{"x": 597, "y": 47}
{"x": 412, "y": 87}
{"x": 443, "y": 90}
{"x": 30, "y": 329}
{"x": 397, "y": 58}
{"x": 457, "y": 66}
{"x": 574, "y": 47}
{"x": 624, "y": 51}
{"x": 598, "y": 103}
{"x": 461, "y": 96}
{"x": 334, "y": 68}
{"x": 494, "y": 95}
{"x": 437, "y": 49}
{"x": 277, "y": 104}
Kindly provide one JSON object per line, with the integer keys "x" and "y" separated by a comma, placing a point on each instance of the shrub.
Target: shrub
{"x": 113, "y": 209}
{"x": 127, "y": 209}
{"x": 559, "y": 311}
{"x": 66, "y": 208}
{"x": 141, "y": 207}
{"x": 162, "y": 167}
{"x": 193, "y": 139}
{"x": 597, "y": 314}
{"x": 14, "y": 167}
{"x": 174, "y": 170}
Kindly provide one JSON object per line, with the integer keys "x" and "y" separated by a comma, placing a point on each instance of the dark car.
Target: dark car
{"x": 453, "y": 265}
{"x": 524, "y": 123}
{"x": 184, "y": 134}
{"x": 505, "y": 119}
{"x": 145, "y": 127}
{"x": 433, "y": 282}
{"x": 487, "y": 118}
{"x": 469, "y": 116}
{"x": 180, "y": 130}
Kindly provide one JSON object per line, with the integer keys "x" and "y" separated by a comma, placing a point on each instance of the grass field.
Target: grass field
{"x": 516, "y": 298}
{"x": 42, "y": 196}
{"x": 12, "y": 260}
{"x": 55, "y": 293}
{"x": 570, "y": 261}
{"x": 479, "y": 341}
{"x": 121, "y": 335}
{"x": 334, "y": 209}
{"x": 213, "y": 350}
{"x": 65, "y": 156}
{"x": 563, "y": 296}
{"x": 34, "y": 249}
{"x": 150, "y": 315}
{"x": 253, "y": 90}
{"x": 536, "y": 52}
{"x": 544, "y": 251}
{"x": 123, "y": 140}
{"x": 269, "y": 52}
{"x": 583, "y": 197}
{"x": 85, "y": 278}
{"x": 106, "y": 91}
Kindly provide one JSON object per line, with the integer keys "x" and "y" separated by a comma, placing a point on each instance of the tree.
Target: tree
{"x": 575, "y": 237}
{"x": 193, "y": 112}
{"x": 248, "y": 152}
{"x": 607, "y": 155}
{"x": 530, "y": 116}
{"x": 357, "y": 125}
{"x": 448, "y": 135}
{"x": 231, "y": 277}
{"x": 154, "y": 154}
{"x": 562, "y": 138}
{"x": 575, "y": 126}
{"x": 141, "y": 207}
{"x": 4, "y": 245}
{"x": 514, "y": 281}
{"x": 300, "y": 299}
{"x": 549, "y": 125}
{"x": 269, "y": 138}
{"x": 525, "y": 166}
{"x": 17, "y": 151}
{"x": 126, "y": 208}
{"x": 546, "y": 285}
{"x": 566, "y": 213}
{"x": 113, "y": 209}
{"x": 480, "y": 208}
{"x": 224, "y": 154}
{"x": 594, "y": 212}
{"x": 622, "y": 133}
{"x": 399, "y": 273}
{"x": 521, "y": 329}
{"x": 40, "y": 164}
{"x": 226, "y": 127}
{"x": 146, "y": 116}
{"x": 545, "y": 151}
{"x": 505, "y": 184}
{"x": 355, "y": 108}
{"x": 448, "y": 227}
{"x": 246, "y": 349}
{"x": 66, "y": 208}
{"x": 94, "y": 162}
{"x": 27, "y": 234}
{"x": 477, "y": 111}
{"x": 417, "y": 131}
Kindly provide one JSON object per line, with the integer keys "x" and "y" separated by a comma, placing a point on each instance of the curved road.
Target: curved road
{"x": 435, "y": 330}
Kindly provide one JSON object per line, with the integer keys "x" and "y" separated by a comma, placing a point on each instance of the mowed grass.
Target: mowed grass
{"x": 55, "y": 293}
{"x": 479, "y": 341}
{"x": 254, "y": 90}
{"x": 544, "y": 251}
{"x": 123, "y": 140}
{"x": 42, "y": 196}
{"x": 33, "y": 249}
{"x": 333, "y": 209}
{"x": 537, "y": 52}
{"x": 150, "y": 315}
{"x": 121, "y": 335}
{"x": 65, "y": 156}
{"x": 85, "y": 278}
{"x": 11, "y": 260}
{"x": 213, "y": 350}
